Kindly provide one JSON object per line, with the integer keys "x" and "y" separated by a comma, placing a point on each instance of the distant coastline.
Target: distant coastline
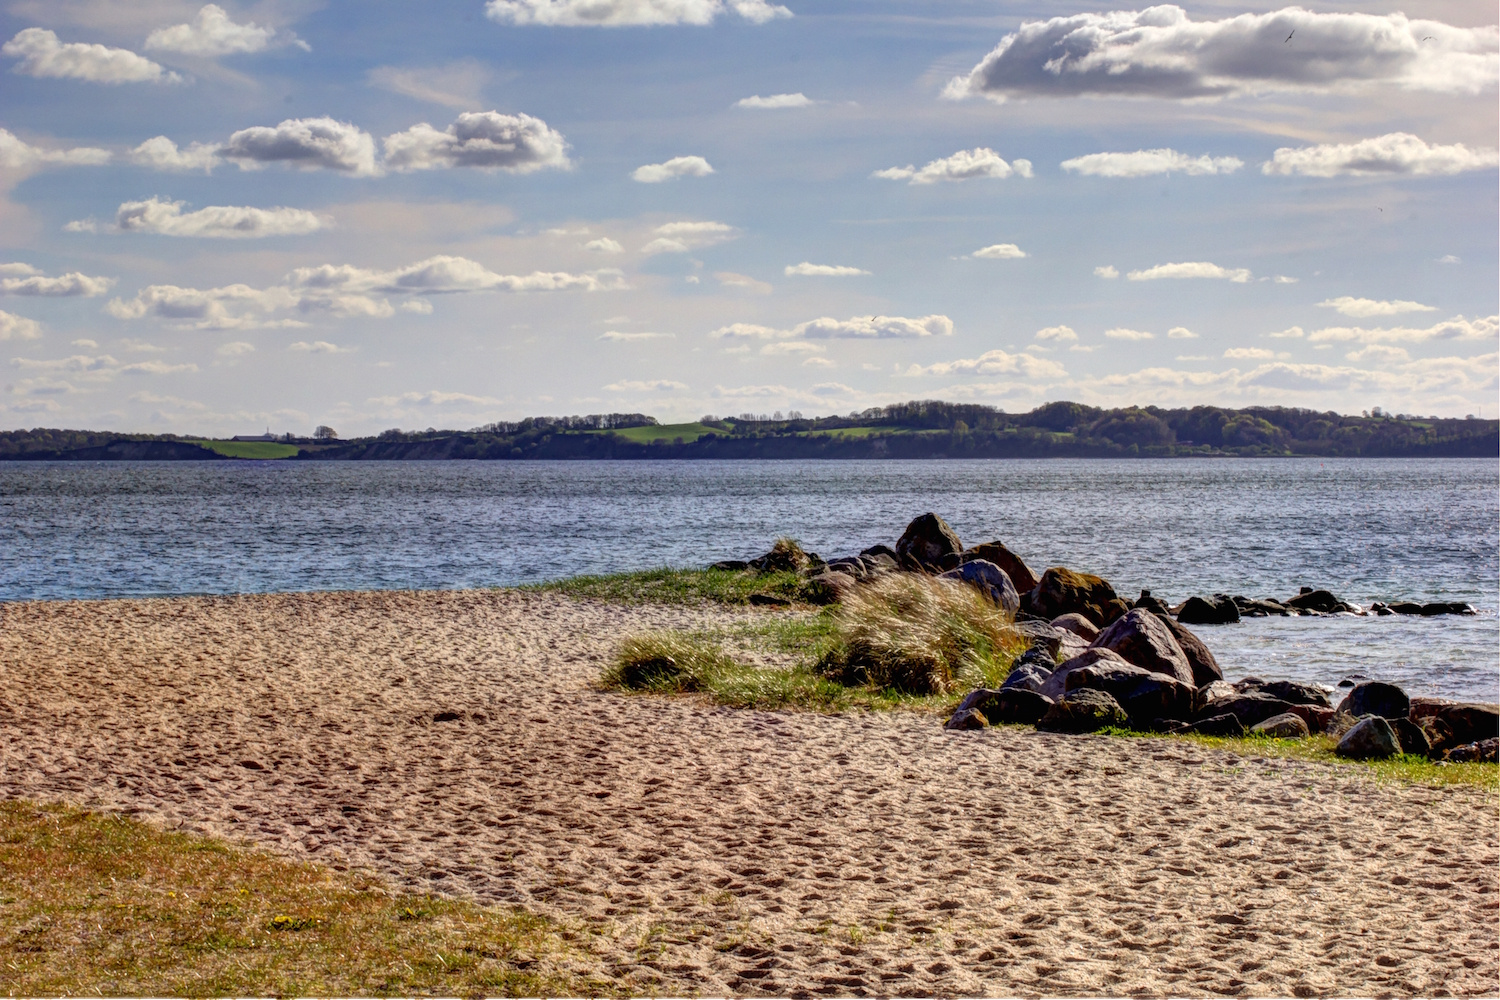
{"x": 915, "y": 430}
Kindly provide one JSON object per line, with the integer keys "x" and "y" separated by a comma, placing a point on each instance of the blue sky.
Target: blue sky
{"x": 374, "y": 214}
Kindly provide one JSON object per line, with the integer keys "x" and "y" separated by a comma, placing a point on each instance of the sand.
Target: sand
{"x": 726, "y": 851}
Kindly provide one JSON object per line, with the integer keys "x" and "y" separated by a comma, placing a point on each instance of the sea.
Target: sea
{"x": 1366, "y": 529}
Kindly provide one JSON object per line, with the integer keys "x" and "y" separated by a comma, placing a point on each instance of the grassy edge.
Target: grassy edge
{"x": 106, "y": 904}
{"x": 678, "y": 586}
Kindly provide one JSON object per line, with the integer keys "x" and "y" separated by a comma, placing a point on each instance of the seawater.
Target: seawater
{"x": 1367, "y": 529}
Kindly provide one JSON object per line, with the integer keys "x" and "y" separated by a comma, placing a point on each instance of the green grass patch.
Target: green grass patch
{"x": 249, "y": 449}
{"x": 105, "y": 905}
{"x": 682, "y": 586}
{"x": 664, "y": 432}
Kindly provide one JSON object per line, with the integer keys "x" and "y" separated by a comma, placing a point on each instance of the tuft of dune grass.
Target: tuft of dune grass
{"x": 912, "y": 633}
{"x": 665, "y": 662}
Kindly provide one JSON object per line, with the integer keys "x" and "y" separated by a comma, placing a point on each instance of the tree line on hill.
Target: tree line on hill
{"x": 917, "y": 429}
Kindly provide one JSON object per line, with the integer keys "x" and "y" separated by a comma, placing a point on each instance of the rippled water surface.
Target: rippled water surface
{"x": 1366, "y": 529}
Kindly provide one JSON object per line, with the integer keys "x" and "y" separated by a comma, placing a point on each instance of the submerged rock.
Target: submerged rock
{"x": 1371, "y": 738}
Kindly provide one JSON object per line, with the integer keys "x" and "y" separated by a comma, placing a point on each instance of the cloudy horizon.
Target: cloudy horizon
{"x": 217, "y": 218}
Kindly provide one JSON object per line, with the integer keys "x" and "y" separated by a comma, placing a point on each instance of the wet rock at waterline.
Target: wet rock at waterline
{"x": 1063, "y": 591}
{"x": 1217, "y": 610}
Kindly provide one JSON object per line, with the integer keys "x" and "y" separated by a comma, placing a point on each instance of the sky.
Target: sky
{"x": 369, "y": 214}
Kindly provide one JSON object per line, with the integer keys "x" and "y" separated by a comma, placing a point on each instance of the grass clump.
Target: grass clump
{"x": 910, "y": 633}
{"x": 666, "y": 662}
{"x": 106, "y": 905}
{"x": 684, "y": 586}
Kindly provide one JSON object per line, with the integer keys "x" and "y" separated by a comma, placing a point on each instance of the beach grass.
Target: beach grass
{"x": 248, "y": 449}
{"x": 682, "y": 586}
{"x": 108, "y": 905}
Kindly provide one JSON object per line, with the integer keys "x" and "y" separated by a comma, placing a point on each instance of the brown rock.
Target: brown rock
{"x": 926, "y": 541}
{"x": 1143, "y": 639}
{"x": 1078, "y": 625}
{"x": 1205, "y": 667}
{"x": 1020, "y": 574}
{"x": 1063, "y": 591}
{"x": 1286, "y": 726}
{"x": 968, "y": 718}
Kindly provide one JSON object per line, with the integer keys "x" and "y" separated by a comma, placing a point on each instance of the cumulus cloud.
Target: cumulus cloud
{"x": 433, "y": 398}
{"x": 444, "y": 274}
{"x": 161, "y": 153}
{"x": 1145, "y": 162}
{"x": 646, "y": 385}
{"x": 18, "y": 155}
{"x": 677, "y": 166}
{"x": 212, "y": 33}
{"x": 305, "y": 143}
{"x": 1251, "y": 353}
{"x": 1000, "y": 251}
{"x": 232, "y": 307}
{"x": 13, "y": 327}
{"x": 23, "y": 279}
{"x": 749, "y": 331}
{"x": 857, "y": 328}
{"x": 235, "y": 349}
{"x": 1106, "y": 271}
{"x": 1057, "y": 335}
{"x": 1365, "y": 308}
{"x": 488, "y": 140}
{"x": 318, "y": 347}
{"x": 774, "y": 101}
{"x": 627, "y": 337}
{"x": 604, "y": 245}
{"x": 966, "y": 164}
{"x": 730, "y": 279}
{"x": 1161, "y": 52}
{"x": 1457, "y": 328}
{"x": 994, "y": 363}
{"x": 1398, "y": 154}
{"x": 214, "y": 222}
{"x": 42, "y": 55}
{"x": 99, "y": 368}
{"x": 681, "y": 237}
{"x": 782, "y": 347}
{"x": 1181, "y": 333}
{"x": 1191, "y": 269}
{"x": 808, "y": 270}
{"x": 628, "y": 13}
{"x": 1125, "y": 333}
{"x": 1380, "y": 354}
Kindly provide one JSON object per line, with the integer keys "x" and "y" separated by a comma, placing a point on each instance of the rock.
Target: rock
{"x": 1446, "y": 608}
{"x": 1249, "y": 708}
{"x": 1041, "y": 633}
{"x": 730, "y": 564}
{"x": 991, "y": 581}
{"x": 1063, "y": 591}
{"x": 1017, "y": 705}
{"x": 878, "y": 563}
{"x": 1056, "y": 685}
{"x": 1315, "y": 600}
{"x": 1218, "y": 725}
{"x": 969, "y": 718}
{"x": 1262, "y": 608}
{"x": 770, "y": 600}
{"x": 1285, "y": 726}
{"x": 1020, "y": 574}
{"x": 1214, "y": 690}
{"x": 1205, "y": 667}
{"x": 1371, "y": 738}
{"x": 1484, "y": 751}
{"x": 1297, "y": 694}
{"x": 1085, "y": 710}
{"x": 1377, "y": 698}
{"x": 1406, "y": 608}
{"x": 1249, "y": 684}
{"x": 1380, "y": 609}
{"x": 1141, "y": 638}
{"x": 1145, "y": 696}
{"x": 1316, "y": 716}
{"x": 1027, "y": 677}
{"x": 1450, "y": 724}
{"x": 1078, "y": 625}
{"x": 1155, "y": 605}
{"x": 1218, "y": 610}
{"x": 976, "y": 699}
{"x": 1411, "y": 737}
{"x": 882, "y": 550}
{"x": 926, "y": 541}
{"x": 852, "y": 565}
{"x": 828, "y": 587}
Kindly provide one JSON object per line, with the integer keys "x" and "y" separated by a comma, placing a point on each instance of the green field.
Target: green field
{"x": 248, "y": 449}
{"x": 664, "y": 432}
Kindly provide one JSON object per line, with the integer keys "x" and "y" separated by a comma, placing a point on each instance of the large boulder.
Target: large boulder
{"x": 1213, "y": 691}
{"x": 1285, "y": 726}
{"x": 828, "y": 587}
{"x": 1371, "y": 738}
{"x": 1205, "y": 667}
{"x": 1147, "y": 697}
{"x": 1412, "y": 737}
{"x": 1250, "y": 708}
{"x": 926, "y": 542}
{"x": 1141, "y": 638}
{"x": 1217, "y": 725}
{"x": 1377, "y": 698}
{"x": 1062, "y": 644}
{"x": 1015, "y": 567}
{"x": 1450, "y": 723}
{"x": 1218, "y": 610}
{"x": 991, "y": 581}
{"x": 1078, "y": 625}
{"x": 1085, "y": 710}
{"x": 1016, "y": 705}
{"x": 1063, "y": 591}
{"x": 1297, "y": 694}
{"x": 1056, "y": 685}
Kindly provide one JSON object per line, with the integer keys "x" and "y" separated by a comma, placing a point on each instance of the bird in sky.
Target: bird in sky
{"x": 1288, "y": 38}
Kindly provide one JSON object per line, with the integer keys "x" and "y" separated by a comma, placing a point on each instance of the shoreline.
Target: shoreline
{"x": 745, "y": 851}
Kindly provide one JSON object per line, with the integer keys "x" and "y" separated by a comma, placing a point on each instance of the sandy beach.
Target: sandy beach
{"x": 453, "y": 741}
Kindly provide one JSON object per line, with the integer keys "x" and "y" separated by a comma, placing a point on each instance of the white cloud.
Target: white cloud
{"x": 1282, "y": 279}
{"x": 42, "y": 55}
{"x": 318, "y": 347}
{"x": 622, "y": 336}
{"x": 1145, "y": 162}
{"x": 1251, "y": 353}
{"x": 1290, "y": 333}
{"x": 650, "y": 385}
{"x": 1058, "y": 335}
{"x": 441, "y": 274}
{"x": 23, "y": 279}
{"x": 487, "y": 140}
{"x": 216, "y": 221}
{"x": 433, "y": 398}
{"x": 1191, "y": 269}
{"x": 966, "y": 164}
{"x": 604, "y": 245}
{"x": 791, "y": 347}
{"x": 1457, "y": 328}
{"x": 18, "y": 155}
{"x": 808, "y": 270}
{"x": 1365, "y": 308}
{"x": 1181, "y": 333}
{"x": 212, "y": 33}
{"x": 994, "y": 363}
{"x": 875, "y": 327}
{"x": 1450, "y": 259}
{"x": 748, "y": 331}
{"x": 627, "y": 13}
{"x": 101, "y": 367}
{"x": 232, "y": 307}
{"x": 677, "y": 166}
{"x": 818, "y": 361}
{"x": 1106, "y": 271}
{"x": 1397, "y": 154}
{"x": 774, "y": 101}
{"x": 305, "y": 143}
{"x": 235, "y": 349}
{"x": 417, "y": 307}
{"x": 1380, "y": 354}
{"x": 13, "y": 327}
{"x": 1000, "y": 251}
{"x": 681, "y": 237}
{"x": 161, "y": 153}
{"x": 1125, "y": 333}
{"x": 1160, "y": 52}
{"x": 730, "y": 279}
{"x": 456, "y": 85}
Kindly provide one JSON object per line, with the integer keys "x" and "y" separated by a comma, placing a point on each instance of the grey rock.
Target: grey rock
{"x": 828, "y": 587}
{"x": 1315, "y": 600}
{"x": 882, "y": 550}
{"x": 1285, "y": 726}
{"x": 1411, "y": 737}
{"x": 1249, "y": 708}
{"x": 991, "y": 581}
{"x": 1141, "y": 638}
{"x": 1085, "y": 710}
{"x": 1218, "y": 725}
{"x": 1293, "y": 692}
{"x": 1371, "y": 738}
{"x": 1017, "y": 705}
{"x": 1483, "y": 751}
{"x": 1015, "y": 567}
{"x": 1147, "y": 697}
{"x": 926, "y": 541}
{"x": 1205, "y": 667}
{"x": 1213, "y": 691}
{"x": 1155, "y": 605}
{"x": 1056, "y": 685}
